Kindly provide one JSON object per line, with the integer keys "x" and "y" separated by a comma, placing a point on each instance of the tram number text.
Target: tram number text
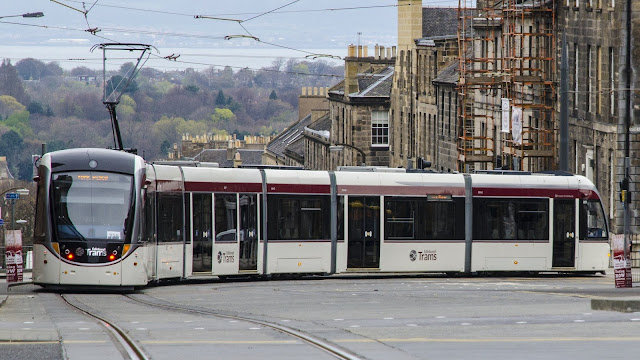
{"x": 226, "y": 257}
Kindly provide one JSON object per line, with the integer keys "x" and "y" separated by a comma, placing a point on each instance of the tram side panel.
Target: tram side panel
{"x": 298, "y": 222}
{"x": 423, "y": 234}
{"x": 169, "y": 222}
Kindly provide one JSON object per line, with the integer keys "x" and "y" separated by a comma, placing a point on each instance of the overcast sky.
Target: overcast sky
{"x": 302, "y": 24}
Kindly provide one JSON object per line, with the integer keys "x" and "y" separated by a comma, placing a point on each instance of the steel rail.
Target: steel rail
{"x": 132, "y": 349}
{"x": 326, "y": 346}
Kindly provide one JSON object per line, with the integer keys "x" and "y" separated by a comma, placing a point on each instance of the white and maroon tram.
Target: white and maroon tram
{"x": 106, "y": 217}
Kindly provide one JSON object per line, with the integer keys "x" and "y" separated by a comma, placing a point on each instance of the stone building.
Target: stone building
{"x": 4, "y": 169}
{"x": 427, "y": 43}
{"x": 288, "y": 148}
{"x": 596, "y": 47}
{"x": 359, "y": 108}
{"x": 317, "y": 139}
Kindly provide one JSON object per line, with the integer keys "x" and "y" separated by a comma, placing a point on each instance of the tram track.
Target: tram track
{"x": 326, "y": 346}
{"x": 130, "y": 348}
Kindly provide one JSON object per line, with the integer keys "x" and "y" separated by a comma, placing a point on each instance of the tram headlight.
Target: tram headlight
{"x": 70, "y": 256}
{"x": 112, "y": 257}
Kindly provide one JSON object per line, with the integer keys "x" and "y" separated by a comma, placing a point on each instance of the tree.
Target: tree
{"x": 19, "y": 121}
{"x": 35, "y": 107}
{"x": 30, "y": 69}
{"x": 116, "y": 86}
{"x": 222, "y": 118}
{"x": 82, "y": 70}
{"x": 11, "y": 84}
{"x": 273, "y": 95}
{"x": 9, "y": 105}
{"x": 220, "y": 99}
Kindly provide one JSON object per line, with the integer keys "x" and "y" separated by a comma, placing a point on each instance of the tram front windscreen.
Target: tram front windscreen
{"x": 92, "y": 214}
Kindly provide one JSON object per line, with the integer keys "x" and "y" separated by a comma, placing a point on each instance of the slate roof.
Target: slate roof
{"x": 296, "y": 148}
{"x": 439, "y": 21}
{"x": 247, "y": 156}
{"x": 322, "y": 124}
{"x": 278, "y": 145}
{"x": 449, "y": 75}
{"x": 375, "y": 85}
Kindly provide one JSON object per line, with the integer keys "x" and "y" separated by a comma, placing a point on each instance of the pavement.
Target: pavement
{"x": 608, "y": 299}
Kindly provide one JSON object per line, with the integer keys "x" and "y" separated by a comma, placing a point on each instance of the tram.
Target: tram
{"x": 108, "y": 218}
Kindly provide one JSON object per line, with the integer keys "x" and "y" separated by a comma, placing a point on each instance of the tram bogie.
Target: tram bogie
{"x": 107, "y": 218}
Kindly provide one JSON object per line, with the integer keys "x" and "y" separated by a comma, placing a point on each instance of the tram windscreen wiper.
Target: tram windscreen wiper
{"x": 70, "y": 226}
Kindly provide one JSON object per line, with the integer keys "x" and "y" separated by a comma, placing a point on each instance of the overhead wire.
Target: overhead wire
{"x": 270, "y": 11}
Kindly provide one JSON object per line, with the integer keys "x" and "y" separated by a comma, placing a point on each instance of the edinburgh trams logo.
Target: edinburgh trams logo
{"x": 425, "y": 255}
{"x": 226, "y": 257}
{"x": 96, "y": 251}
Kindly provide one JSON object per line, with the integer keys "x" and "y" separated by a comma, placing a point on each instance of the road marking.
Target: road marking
{"x": 224, "y": 342}
{"x": 578, "y": 321}
{"x": 521, "y": 322}
{"x": 338, "y": 319}
{"x": 18, "y": 342}
{"x": 412, "y": 325}
{"x": 354, "y": 326}
{"x": 487, "y": 340}
{"x": 28, "y": 322}
{"x": 83, "y": 329}
{"x": 198, "y": 328}
{"x": 465, "y": 324}
{"x": 388, "y": 318}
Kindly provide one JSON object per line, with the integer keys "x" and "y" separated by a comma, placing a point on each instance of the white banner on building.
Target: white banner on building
{"x": 516, "y": 125}
{"x": 505, "y": 115}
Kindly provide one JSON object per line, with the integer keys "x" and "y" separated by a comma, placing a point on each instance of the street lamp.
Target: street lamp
{"x": 341, "y": 146}
{"x": 27, "y": 15}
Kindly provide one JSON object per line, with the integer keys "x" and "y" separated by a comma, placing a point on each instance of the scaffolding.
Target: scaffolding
{"x": 507, "y": 54}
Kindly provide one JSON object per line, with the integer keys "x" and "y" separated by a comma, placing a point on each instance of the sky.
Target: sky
{"x": 283, "y": 27}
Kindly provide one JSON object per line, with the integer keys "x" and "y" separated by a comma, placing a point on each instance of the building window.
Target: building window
{"x": 575, "y": 76}
{"x": 612, "y": 71}
{"x": 380, "y": 128}
{"x": 589, "y": 78}
{"x": 599, "y": 80}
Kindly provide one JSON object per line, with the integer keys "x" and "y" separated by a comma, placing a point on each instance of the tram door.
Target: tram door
{"x": 248, "y": 232}
{"x": 225, "y": 243}
{"x": 564, "y": 235}
{"x": 202, "y": 233}
{"x": 364, "y": 232}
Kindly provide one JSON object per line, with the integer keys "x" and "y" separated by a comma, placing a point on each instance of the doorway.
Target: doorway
{"x": 364, "y": 232}
{"x": 564, "y": 235}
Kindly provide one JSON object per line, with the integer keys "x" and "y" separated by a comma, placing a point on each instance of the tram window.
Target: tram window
{"x": 149, "y": 209}
{"x": 226, "y": 206}
{"x": 400, "y": 219}
{"x": 298, "y": 217}
{"x": 169, "y": 217}
{"x": 592, "y": 220}
{"x": 510, "y": 219}
{"x": 41, "y": 213}
{"x": 422, "y": 219}
{"x": 340, "y": 217}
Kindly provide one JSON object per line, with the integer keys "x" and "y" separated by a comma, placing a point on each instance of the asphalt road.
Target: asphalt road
{"x": 404, "y": 317}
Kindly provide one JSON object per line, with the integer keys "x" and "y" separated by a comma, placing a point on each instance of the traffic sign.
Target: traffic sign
{"x": 1, "y": 222}
{"x": 14, "y": 196}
